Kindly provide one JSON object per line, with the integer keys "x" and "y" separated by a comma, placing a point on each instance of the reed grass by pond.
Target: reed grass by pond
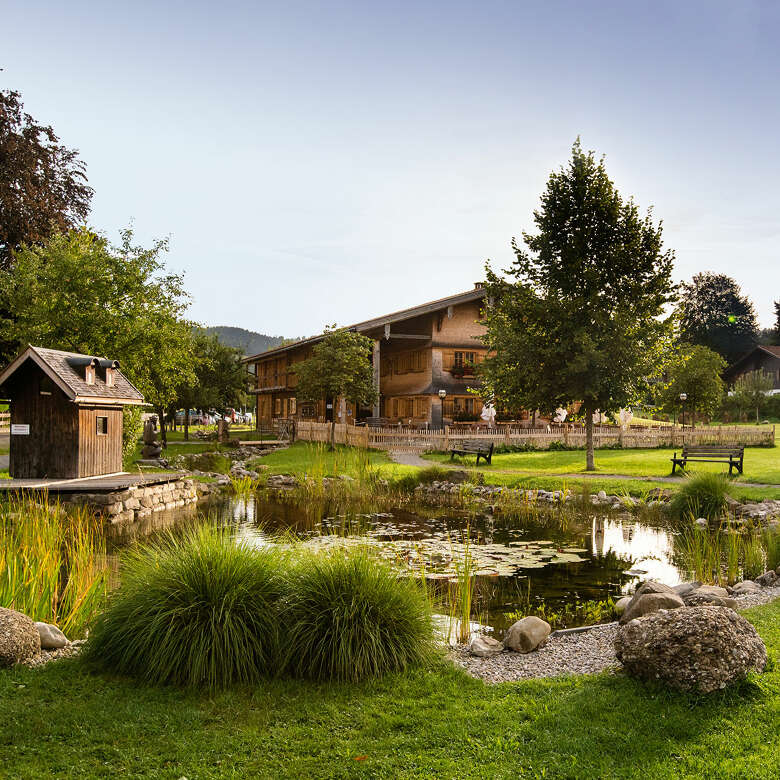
{"x": 53, "y": 564}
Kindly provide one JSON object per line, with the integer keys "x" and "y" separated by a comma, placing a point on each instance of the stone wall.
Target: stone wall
{"x": 137, "y": 501}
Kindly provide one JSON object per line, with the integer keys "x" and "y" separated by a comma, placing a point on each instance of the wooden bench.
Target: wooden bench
{"x": 479, "y": 448}
{"x": 710, "y": 453}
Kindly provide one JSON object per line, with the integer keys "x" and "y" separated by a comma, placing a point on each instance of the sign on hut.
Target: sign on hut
{"x": 66, "y": 414}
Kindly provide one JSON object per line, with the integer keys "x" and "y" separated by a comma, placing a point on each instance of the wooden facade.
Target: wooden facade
{"x": 760, "y": 358}
{"x": 417, "y": 352}
{"x": 65, "y": 423}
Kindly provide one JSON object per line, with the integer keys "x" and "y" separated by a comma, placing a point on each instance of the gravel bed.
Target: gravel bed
{"x": 47, "y": 656}
{"x": 586, "y": 652}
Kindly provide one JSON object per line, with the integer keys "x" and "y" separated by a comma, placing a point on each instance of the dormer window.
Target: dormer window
{"x": 89, "y": 374}
{"x": 109, "y": 377}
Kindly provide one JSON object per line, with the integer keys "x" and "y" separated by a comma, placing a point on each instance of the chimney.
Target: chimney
{"x": 478, "y": 285}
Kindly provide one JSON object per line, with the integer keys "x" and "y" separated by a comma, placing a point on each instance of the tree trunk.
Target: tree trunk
{"x": 163, "y": 433}
{"x": 590, "y": 464}
{"x": 333, "y": 434}
{"x": 187, "y": 424}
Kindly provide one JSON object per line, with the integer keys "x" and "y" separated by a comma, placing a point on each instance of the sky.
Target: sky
{"x": 328, "y": 162}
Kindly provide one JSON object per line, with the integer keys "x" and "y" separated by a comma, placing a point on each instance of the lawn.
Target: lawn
{"x": 762, "y": 464}
{"x": 62, "y": 721}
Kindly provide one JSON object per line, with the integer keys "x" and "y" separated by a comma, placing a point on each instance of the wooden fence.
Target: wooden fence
{"x": 403, "y": 439}
{"x": 5, "y": 423}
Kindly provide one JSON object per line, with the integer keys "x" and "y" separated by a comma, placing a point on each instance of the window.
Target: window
{"x": 308, "y": 410}
{"x": 89, "y": 375}
{"x": 277, "y": 407}
{"x": 292, "y": 407}
{"x": 102, "y": 426}
{"x": 109, "y": 377}
{"x": 45, "y": 386}
{"x": 465, "y": 359}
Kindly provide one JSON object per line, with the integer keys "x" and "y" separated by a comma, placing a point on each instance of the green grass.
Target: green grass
{"x": 762, "y": 464}
{"x": 64, "y": 722}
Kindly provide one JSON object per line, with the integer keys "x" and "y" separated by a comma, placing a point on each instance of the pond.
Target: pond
{"x": 559, "y": 563}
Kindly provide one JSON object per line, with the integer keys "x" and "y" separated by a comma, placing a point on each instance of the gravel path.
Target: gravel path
{"x": 587, "y": 652}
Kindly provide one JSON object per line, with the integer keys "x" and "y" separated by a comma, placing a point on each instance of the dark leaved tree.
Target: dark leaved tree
{"x": 582, "y": 318}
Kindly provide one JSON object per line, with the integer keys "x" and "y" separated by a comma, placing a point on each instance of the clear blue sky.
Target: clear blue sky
{"x": 320, "y": 162}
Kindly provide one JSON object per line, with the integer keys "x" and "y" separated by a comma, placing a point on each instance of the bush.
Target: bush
{"x": 197, "y": 610}
{"x": 348, "y": 616}
{"x": 132, "y": 430}
{"x": 702, "y": 495}
{"x": 208, "y": 461}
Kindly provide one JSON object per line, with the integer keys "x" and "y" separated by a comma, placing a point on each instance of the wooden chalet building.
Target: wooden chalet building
{"x": 760, "y": 358}
{"x": 66, "y": 414}
{"x": 417, "y": 353}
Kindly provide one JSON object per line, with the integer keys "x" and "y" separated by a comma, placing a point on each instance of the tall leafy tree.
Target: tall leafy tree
{"x": 43, "y": 184}
{"x": 695, "y": 371}
{"x": 776, "y": 339}
{"x": 713, "y": 312}
{"x": 339, "y": 367}
{"x": 751, "y": 389}
{"x": 221, "y": 380}
{"x": 79, "y": 293}
{"x": 581, "y": 316}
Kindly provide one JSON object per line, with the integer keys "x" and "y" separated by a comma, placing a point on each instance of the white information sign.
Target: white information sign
{"x": 20, "y": 430}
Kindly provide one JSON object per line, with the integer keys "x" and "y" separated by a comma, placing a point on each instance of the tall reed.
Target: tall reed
{"x": 53, "y": 564}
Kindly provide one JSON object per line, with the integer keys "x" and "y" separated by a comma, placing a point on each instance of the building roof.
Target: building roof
{"x": 63, "y": 368}
{"x": 774, "y": 351}
{"x": 388, "y": 319}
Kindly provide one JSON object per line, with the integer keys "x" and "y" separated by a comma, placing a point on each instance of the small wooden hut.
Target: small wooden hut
{"x": 66, "y": 414}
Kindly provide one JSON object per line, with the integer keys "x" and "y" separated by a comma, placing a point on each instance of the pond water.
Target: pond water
{"x": 559, "y": 558}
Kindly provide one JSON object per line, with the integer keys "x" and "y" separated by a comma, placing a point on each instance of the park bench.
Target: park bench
{"x": 710, "y": 453}
{"x": 479, "y": 448}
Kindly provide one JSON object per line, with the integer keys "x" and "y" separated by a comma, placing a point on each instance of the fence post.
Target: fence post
{"x": 446, "y": 437}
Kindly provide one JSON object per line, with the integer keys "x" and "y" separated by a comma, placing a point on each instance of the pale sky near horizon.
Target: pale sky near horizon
{"x": 330, "y": 162}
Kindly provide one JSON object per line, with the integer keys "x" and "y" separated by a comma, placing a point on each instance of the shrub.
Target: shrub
{"x": 132, "y": 429}
{"x": 197, "y": 610}
{"x": 208, "y": 461}
{"x": 348, "y": 616}
{"x": 702, "y": 495}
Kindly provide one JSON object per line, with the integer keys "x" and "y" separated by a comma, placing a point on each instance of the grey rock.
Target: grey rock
{"x": 701, "y": 598}
{"x": 645, "y": 603}
{"x": 19, "y": 639}
{"x": 51, "y": 637}
{"x": 767, "y": 579}
{"x": 685, "y": 588}
{"x": 484, "y": 646}
{"x": 691, "y": 649}
{"x": 621, "y": 604}
{"x": 746, "y": 586}
{"x": 527, "y": 634}
{"x": 712, "y": 590}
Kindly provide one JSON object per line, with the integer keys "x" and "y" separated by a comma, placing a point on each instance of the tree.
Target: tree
{"x": 713, "y": 312}
{"x": 751, "y": 389}
{"x": 339, "y": 367}
{"x": 582, "y": 320}
{"x": 79, "y": 293}
{"x": 776, "y": 339}
{"x": 43, "y": 184}
{"x": 221, "y": 380}
{"x": 695, "y": 371}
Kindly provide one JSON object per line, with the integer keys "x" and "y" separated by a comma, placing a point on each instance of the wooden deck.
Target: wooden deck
{"x": 102, "y": 484}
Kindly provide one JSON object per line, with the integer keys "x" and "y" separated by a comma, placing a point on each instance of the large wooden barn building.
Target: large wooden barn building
{"x": 66, "y": 414}
{"x": 418, "y": 352}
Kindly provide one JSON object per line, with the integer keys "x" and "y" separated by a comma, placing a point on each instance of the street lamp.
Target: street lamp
{"x": 442, "y": 395}
{"x": 683, "y": 398}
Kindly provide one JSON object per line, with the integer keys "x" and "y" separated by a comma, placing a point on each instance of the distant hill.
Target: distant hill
{"x": 248, "y": 341}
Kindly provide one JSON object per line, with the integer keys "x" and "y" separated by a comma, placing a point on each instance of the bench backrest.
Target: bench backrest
{"x": 472, "y": 446}
{"x": 713, "y": 449}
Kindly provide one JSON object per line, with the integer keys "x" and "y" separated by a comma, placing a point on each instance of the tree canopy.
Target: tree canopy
{"x": 581, "y": 317}
{"x": 750, "y": 390}
{"x": 695, "y": 371}
{"x": 81, "y": 294}
{"x": 713, "y": 312}
{"x": 43, "y": 184}
{"x": 339, "y": 367}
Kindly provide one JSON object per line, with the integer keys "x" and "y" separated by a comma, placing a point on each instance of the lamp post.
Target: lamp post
{"x": 683, "y": 399}
{"x": 442, "y": 395}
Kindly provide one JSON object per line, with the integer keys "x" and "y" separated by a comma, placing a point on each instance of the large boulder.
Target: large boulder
{"x": 691, "y": 648}
{"x": 767, "y": 579}
{"x": 650, "y": 596}
{"x": 19, "y": 639}
{"x": 484, "y": 646}
{"x": 527, "y": 634}
{"x": 743, "y": 587}
{"x": 710, "y": 596}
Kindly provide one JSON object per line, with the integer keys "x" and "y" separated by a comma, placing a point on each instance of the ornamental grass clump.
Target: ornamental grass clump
{"x": 349, "y": 616}
{"x": 702, "y": 495}
{"x": 195, "y": 610}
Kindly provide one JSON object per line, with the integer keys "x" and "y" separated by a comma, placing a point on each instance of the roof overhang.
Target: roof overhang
{"x": 31, "y": 354}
